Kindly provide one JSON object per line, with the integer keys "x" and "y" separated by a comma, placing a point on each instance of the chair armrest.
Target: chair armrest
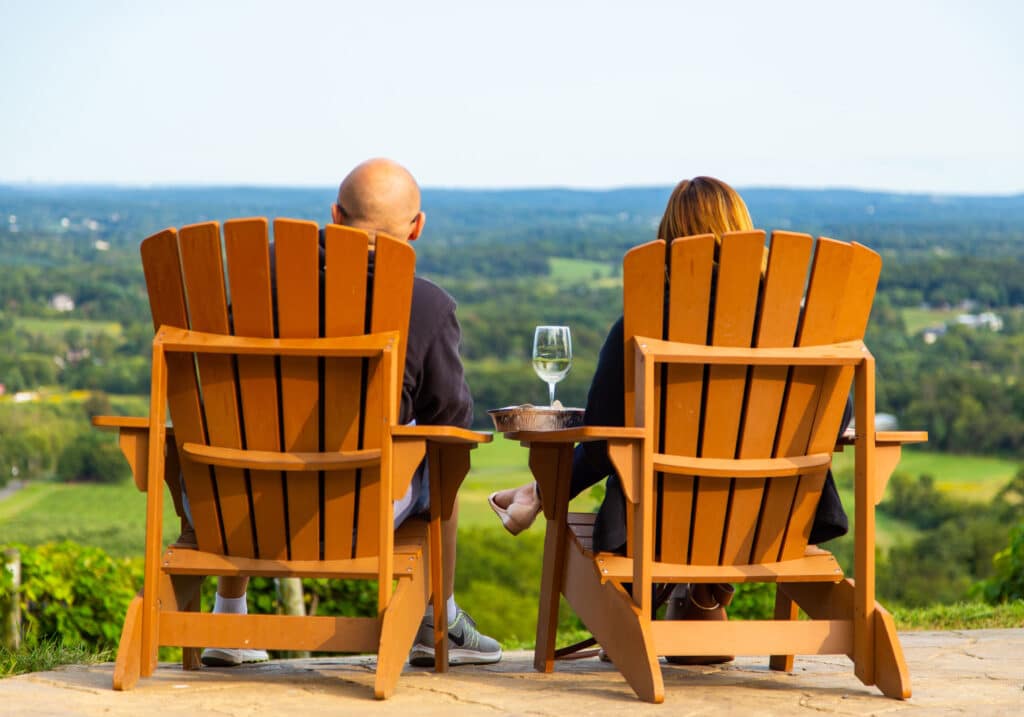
{"x": 885, "y": 438}
{"x": 888, "y": 438}
{"x": 549, "y": 469}
{"x": 888, "y": 447}
{"x": 133, "y": 439}
{"x": 442, "y": 434}
{"x": 451, "y": 445}
{"x": 121, "y": 422}
{"x": 580, "y": 434}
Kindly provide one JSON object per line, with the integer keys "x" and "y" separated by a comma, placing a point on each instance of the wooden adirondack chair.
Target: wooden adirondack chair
{"x": 284, "y": 412}
{"x": 733, "y": 405}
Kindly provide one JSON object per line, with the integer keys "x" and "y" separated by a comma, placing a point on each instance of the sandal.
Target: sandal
{"x": 516, "y": 515}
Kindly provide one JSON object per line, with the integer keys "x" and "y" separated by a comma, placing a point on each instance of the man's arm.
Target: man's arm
{"x": 442, "y": 396}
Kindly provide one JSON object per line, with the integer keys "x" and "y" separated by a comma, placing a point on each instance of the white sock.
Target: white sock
{"x": 450, "y": 607}
{"x": 230, "y": 606}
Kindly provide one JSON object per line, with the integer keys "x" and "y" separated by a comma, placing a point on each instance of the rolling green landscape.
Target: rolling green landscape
{"x": 950, "y": 535}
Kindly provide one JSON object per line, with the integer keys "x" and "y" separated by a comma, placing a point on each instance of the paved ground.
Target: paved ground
{"x": 978, "y": 672}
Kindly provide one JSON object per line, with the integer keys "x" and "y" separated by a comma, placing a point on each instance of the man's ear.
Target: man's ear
{"x": 336, "y": 216}
{"x": 417, "y": 226}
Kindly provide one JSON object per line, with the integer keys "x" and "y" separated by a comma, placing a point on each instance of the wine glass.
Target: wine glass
{"x": 552, "y": 355}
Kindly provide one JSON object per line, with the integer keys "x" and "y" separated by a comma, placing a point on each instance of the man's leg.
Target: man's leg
{"x": 230, "y": 597}
{"x": 232, "y": 587}
{"x": 230, "y": 600}
{"x": 466, "y": 644}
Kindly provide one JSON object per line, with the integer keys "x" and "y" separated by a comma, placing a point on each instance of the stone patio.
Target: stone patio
{"x": 975, "y": 672}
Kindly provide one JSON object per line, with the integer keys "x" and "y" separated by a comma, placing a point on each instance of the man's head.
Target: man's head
{"x": 380, "y": 195}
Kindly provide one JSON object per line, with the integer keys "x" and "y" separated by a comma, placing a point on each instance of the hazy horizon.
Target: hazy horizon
{"x": 330, "y": 188}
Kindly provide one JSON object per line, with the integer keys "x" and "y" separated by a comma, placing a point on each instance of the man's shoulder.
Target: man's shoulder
{"x": 428, "y": 296}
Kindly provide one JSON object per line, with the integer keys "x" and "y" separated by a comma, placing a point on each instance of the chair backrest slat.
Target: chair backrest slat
{"x": 692, "y": 264}
{"x": 643, "y": 298}
{"x": 203, "y": 270}
{"x": 345, "y": 296}
{"x": 394, "y": 265}
{"x": 161, "y": 265}
{"x": 297, "y": 259}
{"x": 247, "y": 247}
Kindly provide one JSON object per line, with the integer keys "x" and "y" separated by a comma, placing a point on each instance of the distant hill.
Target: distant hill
{"x": 623, "y": 216}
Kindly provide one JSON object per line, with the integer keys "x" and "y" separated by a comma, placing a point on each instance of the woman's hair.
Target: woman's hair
{"x": 703, "y": 205}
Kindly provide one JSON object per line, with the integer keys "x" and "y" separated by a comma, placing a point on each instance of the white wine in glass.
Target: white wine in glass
{"x": 552, "y": 355}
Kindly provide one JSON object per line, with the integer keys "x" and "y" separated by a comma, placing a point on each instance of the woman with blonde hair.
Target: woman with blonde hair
{"x": 702, "y": 205}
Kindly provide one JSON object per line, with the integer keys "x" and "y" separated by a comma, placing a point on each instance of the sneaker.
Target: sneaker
{"x": 230, "y": 657}
{"x": 466, "y": 645}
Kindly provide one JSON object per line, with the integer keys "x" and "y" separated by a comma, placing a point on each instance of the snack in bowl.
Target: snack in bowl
{"x": 528, "y": 417}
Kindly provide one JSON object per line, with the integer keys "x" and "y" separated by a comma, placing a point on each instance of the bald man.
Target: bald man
{"x": 380, "y": 195}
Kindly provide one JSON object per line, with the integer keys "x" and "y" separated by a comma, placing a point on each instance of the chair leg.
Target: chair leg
{"x": 835, "y": 601}
{"x": 129, "y": 649}
{"x": 891, "y": 675}
{"x": 398, "y": 629}
{"x": 552, "y": 467}
{"x": 182, "y": 593}
{"x": 614, "y": 619}
{"x": 785, "y": 609}
{"x": 552, "y": 572}
{"x": 435, "y": 560}
{"x": 190, "y": 655}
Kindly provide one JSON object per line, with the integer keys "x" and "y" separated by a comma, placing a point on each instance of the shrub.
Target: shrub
{"x": 92, "y": 456}
{"x": 348, "y": 598}
{"x": 75, "y": 594}
{"x": 1007, "y": 583}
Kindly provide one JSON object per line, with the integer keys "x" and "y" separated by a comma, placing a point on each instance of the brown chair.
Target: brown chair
{"x": 735, "y": 386}
{"x": 283, "y": 397}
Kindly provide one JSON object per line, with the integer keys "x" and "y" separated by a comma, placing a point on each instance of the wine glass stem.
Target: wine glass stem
{"x": 551, "y": 393}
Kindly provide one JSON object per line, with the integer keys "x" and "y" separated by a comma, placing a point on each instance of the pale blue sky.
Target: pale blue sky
{"x": 909, "y": 96}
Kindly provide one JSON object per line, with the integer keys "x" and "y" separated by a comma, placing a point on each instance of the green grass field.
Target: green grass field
{"x": 917, "y": 319}
{"x": 976, "y": 478}
{"x": 112, "y": 517}
{"x": 58, "y": 327}
{"x": 575, "y": 271}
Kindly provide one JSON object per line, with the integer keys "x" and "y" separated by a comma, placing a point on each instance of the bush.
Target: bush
{"x": 335, "y": 598}
{"x": 75, "y": 594}
{"x": 918, "y": 501}
{"x": 497, "y": 582}
{"x": 92, "y": 456}
{"x": 1007, "y": 584}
